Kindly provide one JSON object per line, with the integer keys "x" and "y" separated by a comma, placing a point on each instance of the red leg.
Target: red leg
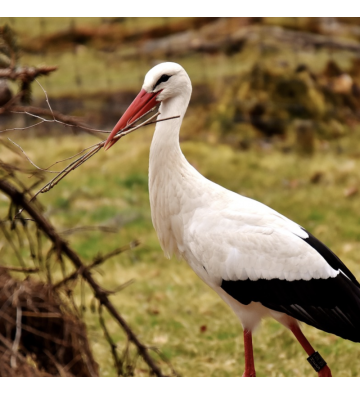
{"x": 325, "y": 371}
{"x": 249, "y": 355}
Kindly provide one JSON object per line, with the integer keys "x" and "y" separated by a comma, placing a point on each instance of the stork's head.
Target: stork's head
{"x": 162, "y": 82}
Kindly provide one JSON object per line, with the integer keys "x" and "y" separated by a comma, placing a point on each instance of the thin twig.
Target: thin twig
{"x": 117, "y": 251}
{"x": 39, "y": 168}
{"x": 9, "y": 346}
{"x": 47, "y": 264}
{"x": 59, "y": 368}
{"x": 60, "y": 119}
{"x": 47, "y": 99}
{"x": 9, "y": 239}
{"x": 165, "y": 359}
{"x": 20, "y": 269}
{"x": 39, "y": 247}
{"x": 10, "y": 103}
{"x": 24, "y": 128}
{"x": 72, "y": 156}
{"x": 120, "y": 287}
{"x": 16, "y": 219}
{"x": 113, "y": 347}
{"x": 97, "y": 261}
{"x": 106, "y": 229}
{"x": 41, "y": 315}
{"x": 17, "y": 335}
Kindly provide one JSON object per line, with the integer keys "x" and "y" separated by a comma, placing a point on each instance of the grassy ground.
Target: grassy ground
{"x": 167, "y": 305}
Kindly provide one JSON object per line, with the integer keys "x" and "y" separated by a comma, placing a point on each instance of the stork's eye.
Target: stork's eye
{"x": 163, "y": 78}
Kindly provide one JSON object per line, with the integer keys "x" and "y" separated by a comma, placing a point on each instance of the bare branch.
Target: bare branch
{"x": 117, "y": 361}
{"x": 11, "y": 243}
{"x": 120, "y": 287}
{"x": 20, "y": 269}
{"x": 60, "y": 118}
{"x": 24, "y": 128}
{"x": 106, "y": 229}
{"x": 25, "y": 73}
{"x": 97, "y": 261}
{"x": 17, "y": 334}
{"x": 47, "y": 99}
{"x": 71, "y": 157}
{"x": 39, "y": 168}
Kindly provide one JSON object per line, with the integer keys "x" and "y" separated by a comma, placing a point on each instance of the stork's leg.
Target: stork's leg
{"x": 325, "y": 371}
{"x": 249, "y": 355}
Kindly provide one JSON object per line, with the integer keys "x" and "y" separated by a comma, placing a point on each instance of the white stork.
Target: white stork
{"x": 258, "y": 261}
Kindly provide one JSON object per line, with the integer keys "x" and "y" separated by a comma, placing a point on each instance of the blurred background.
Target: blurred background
{"x": 274, "y": 115}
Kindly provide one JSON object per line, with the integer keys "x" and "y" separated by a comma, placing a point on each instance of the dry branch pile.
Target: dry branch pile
{"x": 39, "y": 336}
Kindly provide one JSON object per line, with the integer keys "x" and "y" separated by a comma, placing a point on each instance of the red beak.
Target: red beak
{"x": 142, "y": 103}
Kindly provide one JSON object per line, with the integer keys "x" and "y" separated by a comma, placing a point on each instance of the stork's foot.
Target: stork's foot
{"x": 250, "y": 373}
{"x": 325, "y": 372}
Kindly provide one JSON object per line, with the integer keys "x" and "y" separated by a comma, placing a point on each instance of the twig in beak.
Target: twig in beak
{"x": 95, "y": 149}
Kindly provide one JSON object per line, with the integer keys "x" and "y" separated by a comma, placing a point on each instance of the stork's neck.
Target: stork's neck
{"x": 165, "y": 148}
{"x": 169, "y": 172}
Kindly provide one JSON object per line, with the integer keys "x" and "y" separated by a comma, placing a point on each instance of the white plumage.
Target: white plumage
{"x": 230, "y": 241}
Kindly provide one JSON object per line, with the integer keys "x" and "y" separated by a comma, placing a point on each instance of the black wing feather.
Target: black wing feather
{"x": 329, "y": 256}
{"x": 331, "y": 305}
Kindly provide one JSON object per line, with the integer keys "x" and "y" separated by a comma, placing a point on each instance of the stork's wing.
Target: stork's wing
{"x": 241, "y": 246}
{"x": 267, "y": 258}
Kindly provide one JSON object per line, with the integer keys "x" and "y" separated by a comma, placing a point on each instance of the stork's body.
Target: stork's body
{"x": 257, "y": 260}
